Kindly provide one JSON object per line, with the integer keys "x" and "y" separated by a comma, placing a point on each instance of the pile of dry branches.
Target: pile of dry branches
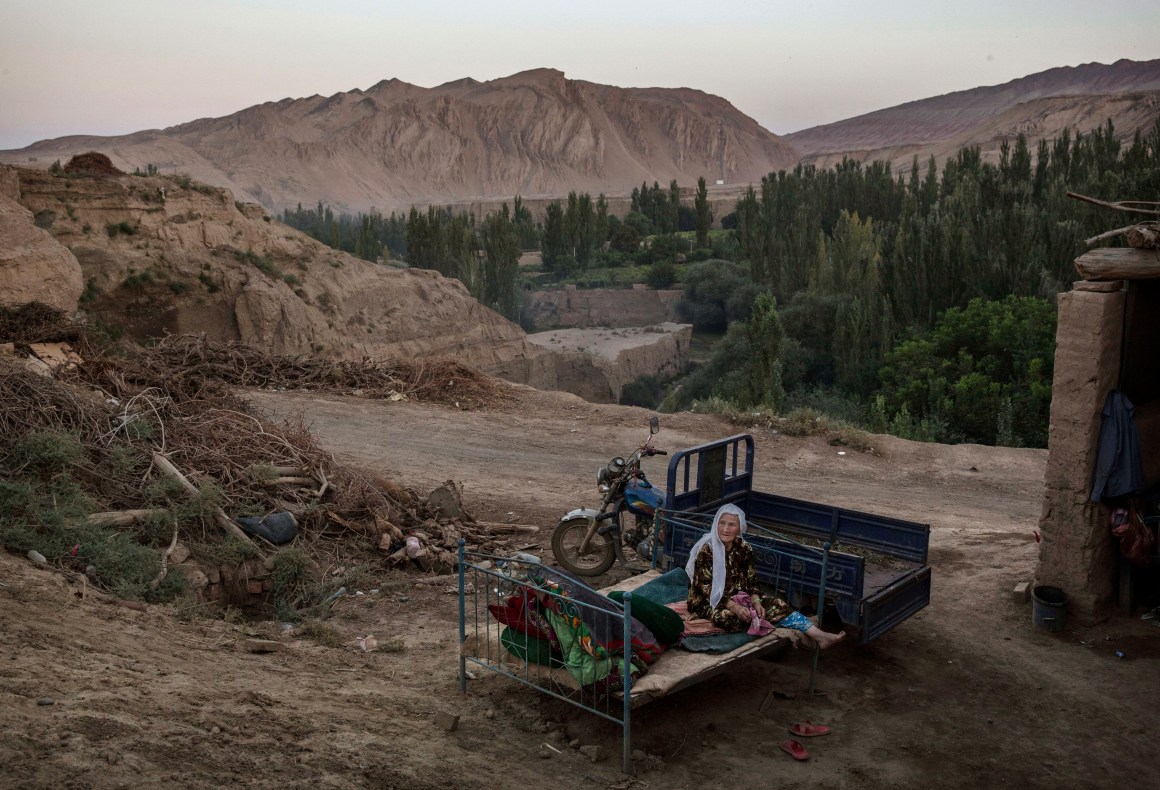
{"x": 190, "y": 361}
{"x": 174, "y": 401}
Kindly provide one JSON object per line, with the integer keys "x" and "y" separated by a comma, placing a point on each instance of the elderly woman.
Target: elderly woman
{"x": 723, "y": 585}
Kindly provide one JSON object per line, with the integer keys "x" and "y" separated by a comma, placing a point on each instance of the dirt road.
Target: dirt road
{"x": 965, "y": 694}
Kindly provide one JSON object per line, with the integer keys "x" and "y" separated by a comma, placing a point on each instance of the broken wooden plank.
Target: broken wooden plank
{"x": 507, "y": 529}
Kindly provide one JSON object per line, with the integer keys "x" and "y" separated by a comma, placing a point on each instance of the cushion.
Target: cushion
{"x": 514, "y": 611}
{"x": 532, "y": 649}
{"x": 665, "y": 624}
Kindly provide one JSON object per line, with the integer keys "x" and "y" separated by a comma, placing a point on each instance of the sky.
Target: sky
{"x": 119, "y": 66}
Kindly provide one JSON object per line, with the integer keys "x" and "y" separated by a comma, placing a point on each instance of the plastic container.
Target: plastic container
{"x": 1048, "y": 607}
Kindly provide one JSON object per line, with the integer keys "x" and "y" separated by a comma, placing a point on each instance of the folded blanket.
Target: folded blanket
{"x": 694, "y": 626}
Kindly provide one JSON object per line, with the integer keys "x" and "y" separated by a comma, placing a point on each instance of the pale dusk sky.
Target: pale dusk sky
{"x": 88, "y": 67}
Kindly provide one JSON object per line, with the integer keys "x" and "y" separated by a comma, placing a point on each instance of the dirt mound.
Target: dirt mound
{"x": 166, "y": 255}
{"x": 92, "y": 163}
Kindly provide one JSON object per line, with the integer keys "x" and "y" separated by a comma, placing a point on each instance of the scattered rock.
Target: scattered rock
{"x": 215, "y": 730}
{"x": 594, "y": 752}
{"x": 575, "y": 743}
{"x": 448, "y": 721}
{"x": 37, "y": 558}
{"x": 179, "y": 555}
{"x": 545, "y": 754}
{"x": 262, "y": 646}
{"x": 46, "y": 701}
{"x": 194, "y": 577}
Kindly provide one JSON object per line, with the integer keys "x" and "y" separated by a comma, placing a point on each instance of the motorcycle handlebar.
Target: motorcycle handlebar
{"x": 654, "y": 451}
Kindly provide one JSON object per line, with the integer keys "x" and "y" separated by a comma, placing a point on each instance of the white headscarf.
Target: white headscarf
{"x": 714, "y": 540}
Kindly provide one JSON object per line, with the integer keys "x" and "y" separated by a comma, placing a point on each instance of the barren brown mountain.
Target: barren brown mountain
{"x": 396, "y": 144}
{"x": 1040, "y": 106}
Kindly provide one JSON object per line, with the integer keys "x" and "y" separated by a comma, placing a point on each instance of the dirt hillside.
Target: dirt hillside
{"x": 942, "y": 118}
{"x": 396, "y": 144}
{"x": 1039, "y": 119}
{"x": 164, "y": 254}
{"x": 966, "y": 694}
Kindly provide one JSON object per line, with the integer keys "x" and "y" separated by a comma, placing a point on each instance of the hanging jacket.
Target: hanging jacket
{"x": 1118, "y": 471}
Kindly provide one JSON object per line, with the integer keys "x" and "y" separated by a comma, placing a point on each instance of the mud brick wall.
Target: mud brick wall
{"x": 575, "y": 307}
{"x": 1077, "y": 553}
{"x": 245, "y": 584}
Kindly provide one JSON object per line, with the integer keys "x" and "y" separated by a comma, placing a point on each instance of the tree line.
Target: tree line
{"x": 880, "y": 280}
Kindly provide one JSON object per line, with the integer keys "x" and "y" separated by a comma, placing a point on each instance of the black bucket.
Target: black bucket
{"x": 1048, "y": 607}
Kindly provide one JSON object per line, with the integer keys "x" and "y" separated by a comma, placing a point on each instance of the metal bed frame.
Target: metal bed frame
{"x": 487, "y": 578}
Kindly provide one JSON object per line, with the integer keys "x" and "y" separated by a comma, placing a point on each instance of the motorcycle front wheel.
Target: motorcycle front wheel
{"x": 566, "y": 542}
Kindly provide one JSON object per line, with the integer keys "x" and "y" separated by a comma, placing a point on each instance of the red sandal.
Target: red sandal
{"x": 794, "y": 750}
{"x": 806, "y": 730}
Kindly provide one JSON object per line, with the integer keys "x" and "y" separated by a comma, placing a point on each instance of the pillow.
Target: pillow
{"x": 530, "y": 648}
{"x": 514, "y": 611}
{"x": 665, "y": 624}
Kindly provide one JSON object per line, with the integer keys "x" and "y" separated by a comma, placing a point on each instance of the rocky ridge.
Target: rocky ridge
{"x": 1040, "y": 106}
{"x": 397, "y": 144}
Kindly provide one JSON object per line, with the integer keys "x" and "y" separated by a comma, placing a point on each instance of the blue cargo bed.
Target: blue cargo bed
{"x": 876, "y": 575}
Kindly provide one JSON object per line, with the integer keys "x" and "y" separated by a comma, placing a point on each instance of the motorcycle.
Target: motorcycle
{"x": 587, "y": 542}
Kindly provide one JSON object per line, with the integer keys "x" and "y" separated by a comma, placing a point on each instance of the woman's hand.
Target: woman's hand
{"x": 739, "y": 610}
{"x": 757, "y": 605}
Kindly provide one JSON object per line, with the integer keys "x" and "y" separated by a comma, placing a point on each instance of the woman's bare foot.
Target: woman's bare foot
{"x": 825, "y": 639}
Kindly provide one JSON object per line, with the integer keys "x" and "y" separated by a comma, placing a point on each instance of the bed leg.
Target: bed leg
{"x": 626, "y": 749}
{"x": 462, "y": 621}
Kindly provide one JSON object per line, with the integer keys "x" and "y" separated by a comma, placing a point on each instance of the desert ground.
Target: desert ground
{"x": 965, "y": 694}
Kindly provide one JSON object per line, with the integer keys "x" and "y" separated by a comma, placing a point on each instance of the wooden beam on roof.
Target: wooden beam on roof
{"x": 1119, "y": 263}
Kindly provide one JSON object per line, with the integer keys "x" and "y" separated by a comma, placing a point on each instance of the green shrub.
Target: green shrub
{"x": 122, "y": 227}
{"x": 263, "y": 263}
{"x": 661, "y": 274}
{"x": 320, "y": 632}
{"x": 646, "y": 391}
{"x": 43, "y": 508}
{"x": 290, "y": 581}
{"x": 209, "y": 283}
{"x": 982, "y": 374}
{"x": 43, "y": 452}
{"x": 137, "y": 280}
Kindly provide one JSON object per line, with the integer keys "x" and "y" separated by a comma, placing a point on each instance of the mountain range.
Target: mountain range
{"x": 541, "y": 135}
